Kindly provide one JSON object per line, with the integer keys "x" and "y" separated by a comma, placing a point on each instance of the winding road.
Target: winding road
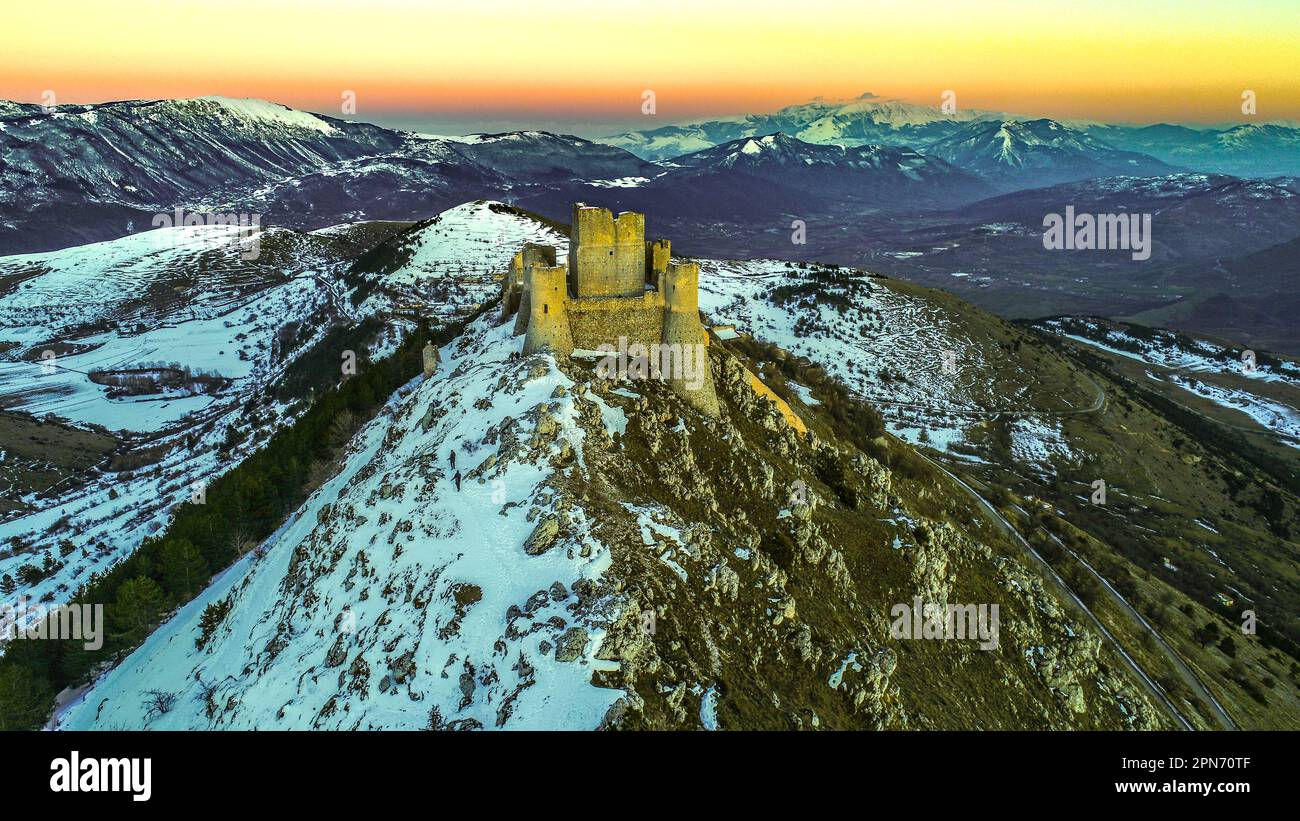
{"x": 1050, "y": 573}
{"x": 1184, "y": 670}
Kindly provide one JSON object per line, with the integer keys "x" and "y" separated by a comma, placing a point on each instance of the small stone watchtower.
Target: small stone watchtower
{"x": 618, "y": 291}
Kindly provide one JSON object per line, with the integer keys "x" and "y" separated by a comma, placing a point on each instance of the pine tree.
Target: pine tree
{"x": 25, "y": 698}
{"x": 184, "y": 569}
{"x": 139, "y": 603}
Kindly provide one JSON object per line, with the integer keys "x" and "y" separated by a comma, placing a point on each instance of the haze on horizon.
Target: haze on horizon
{"x": 582, "y": 67}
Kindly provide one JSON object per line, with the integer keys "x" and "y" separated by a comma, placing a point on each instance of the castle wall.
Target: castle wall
{"x": 604, "y": 320}
{"x": 532, "y": 255}
{"x": 658, "y": 253}
{"x": 512, "y": 291}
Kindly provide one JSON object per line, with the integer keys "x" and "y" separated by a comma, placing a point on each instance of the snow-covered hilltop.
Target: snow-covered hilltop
{"x": 603, "y": 555}
{"x": 600, "y": 554}
{"x": 395, "y": 597}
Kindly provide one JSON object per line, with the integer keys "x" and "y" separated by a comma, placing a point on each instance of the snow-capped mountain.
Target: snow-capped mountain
{"x": 871, "y": 173}
{"x": 1032, "y": 153}
{"x": 1257, "y": 150}
{"x": 540, "y": 156}
{"x": 863, "y": 120}
{"x": 149, "y": 156}
{"x": 1248, "y": 150}
{"x": 761, "y": 180}
{"x": 90, "y": 172}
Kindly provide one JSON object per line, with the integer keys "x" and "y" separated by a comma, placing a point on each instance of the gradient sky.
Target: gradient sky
{"x": 582, "y": 67}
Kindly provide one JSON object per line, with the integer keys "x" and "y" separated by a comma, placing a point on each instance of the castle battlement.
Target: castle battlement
{"x": 615, "y": 287}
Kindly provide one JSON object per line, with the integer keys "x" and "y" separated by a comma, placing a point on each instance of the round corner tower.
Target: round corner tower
{"x": 682, "y": 327}
{"x": 548, "y": 315}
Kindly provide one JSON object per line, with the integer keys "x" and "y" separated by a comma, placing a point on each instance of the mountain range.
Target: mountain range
{"x": 866, "y": 120}
{"x": 1252, "y": 150}
{"x": 953, "y": 200}
{"x": 90, "y": 172}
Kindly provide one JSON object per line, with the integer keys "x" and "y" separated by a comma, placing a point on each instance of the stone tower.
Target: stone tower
{"x": 607, "y": 254}
{"x": 657, "y": 255}
{"x": 512, "y": 286}
{"x": 681, "y": 293}
{"x": 547, "y": 297}
{"x": 532, "y": 254}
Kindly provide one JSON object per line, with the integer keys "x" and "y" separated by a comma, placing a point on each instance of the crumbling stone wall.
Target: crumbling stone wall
{"x": 548, "y": 319}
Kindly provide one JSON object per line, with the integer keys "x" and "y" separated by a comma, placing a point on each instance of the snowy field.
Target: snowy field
{"x": 217, "y": 325}
{"x": 1276, "y": 416}
{"x": 1164, "y": 350}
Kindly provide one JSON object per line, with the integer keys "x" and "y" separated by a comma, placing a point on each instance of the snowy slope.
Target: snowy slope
{"x": 1034, "y": 153}
{"x": 903, "y": 336}
{"x": 1192, "y": 365}
{"x": 212, "y": 316}
{"x": 62, "y": 290}
{"x": 219, "y": 314}
{"x": 174, "y": 295}
{"x": 391, "y": 595}
{"x": 878, "y": 174}
{"x": 452, "y": 263}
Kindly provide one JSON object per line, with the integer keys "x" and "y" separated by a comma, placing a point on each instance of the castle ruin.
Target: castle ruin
{"x": 617, "y": 291}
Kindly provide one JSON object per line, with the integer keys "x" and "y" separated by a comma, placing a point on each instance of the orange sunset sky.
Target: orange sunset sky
{"x": 587, "y": 64}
